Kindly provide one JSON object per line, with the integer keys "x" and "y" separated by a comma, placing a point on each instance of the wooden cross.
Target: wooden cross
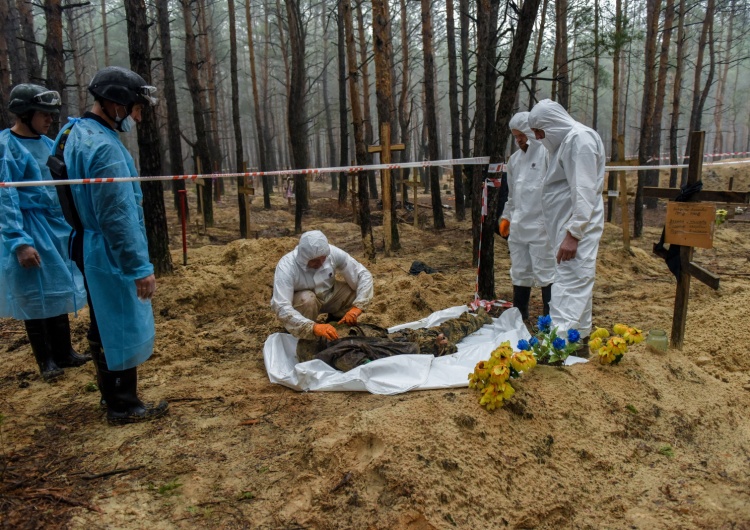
{"x": 689, "y": 269}
{"x": 247, "y": 191}
{"x": 385, "y": 149}
{"x": 414, "y": 184}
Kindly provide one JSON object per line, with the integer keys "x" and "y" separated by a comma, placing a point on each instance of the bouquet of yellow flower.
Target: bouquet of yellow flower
{"x": 611, "y": 348}
{"x": 491, "y": 377}
{"x": 721, "y": 216}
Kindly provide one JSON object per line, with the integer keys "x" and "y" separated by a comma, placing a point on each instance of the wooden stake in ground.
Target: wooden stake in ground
{"x": 414, "y": 184}
{"x": 247, "y": 191}
{"x": 385, "y": 149}
{"x": 199, "y": 185}
{"x": 689, "y": 269}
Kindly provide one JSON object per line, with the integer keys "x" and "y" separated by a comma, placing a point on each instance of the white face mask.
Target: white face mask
{"x": 127, "y": 124}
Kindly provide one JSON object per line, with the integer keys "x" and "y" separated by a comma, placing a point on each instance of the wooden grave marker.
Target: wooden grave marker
{"x": 414, "y": 183}
{"x": 688, "y": 269}
{"x": 385, "y": 149}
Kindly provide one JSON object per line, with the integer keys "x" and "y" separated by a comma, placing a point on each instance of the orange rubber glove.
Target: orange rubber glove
{"x": 326, "y": 331}
{"x": 504, "y": 228}
{"x": 351, "y": 316}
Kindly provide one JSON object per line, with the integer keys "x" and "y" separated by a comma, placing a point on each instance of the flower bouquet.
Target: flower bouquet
{"x": 491, "y": 377}
{"x": 721, "y": 216}
{"x": 547, "y": 346}
{"x": 611, "y": 348}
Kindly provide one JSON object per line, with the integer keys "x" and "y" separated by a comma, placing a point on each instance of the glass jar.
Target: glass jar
{"x": 657, "y": 340}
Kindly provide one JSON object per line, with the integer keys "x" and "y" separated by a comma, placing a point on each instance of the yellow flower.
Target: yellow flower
{"x": 618, "y": 345}
{"x": 523, "y": 361}
{"x": 596, "y": 343}
{"x": 599, "y": 333}
{"x": 633, "y": 336}
{"x": 606, "y": 355}
{"x": 499, "y": 374}
{"x": 620, "y": 329}
{"x": 504, "y": 351}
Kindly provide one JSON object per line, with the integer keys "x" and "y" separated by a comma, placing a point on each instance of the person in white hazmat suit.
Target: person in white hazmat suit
{"x": 573, "y": 210}
{"x": 305, "y": 286}
{"x": 522, "y": 222}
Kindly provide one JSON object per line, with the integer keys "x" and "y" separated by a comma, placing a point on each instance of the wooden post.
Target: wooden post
{"x": 199, "y": 184}
{"x": 247, "y": 190}
{"x": 624, "y": 213}
{"x": 385, "y": 149}
{"x": 414, "y": 184}
{"x": 679, "y": 318}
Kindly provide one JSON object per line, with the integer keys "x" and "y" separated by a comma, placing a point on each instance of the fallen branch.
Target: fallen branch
{"x": 343, "y": 482}
{"x": 40, "y": 494}
{"x": 110, "y": 473}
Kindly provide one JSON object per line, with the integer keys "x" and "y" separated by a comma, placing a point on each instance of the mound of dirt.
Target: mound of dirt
{"x": 659, "y": 441}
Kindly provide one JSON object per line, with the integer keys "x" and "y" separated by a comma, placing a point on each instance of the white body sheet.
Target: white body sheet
{"x": 400, "y": 373}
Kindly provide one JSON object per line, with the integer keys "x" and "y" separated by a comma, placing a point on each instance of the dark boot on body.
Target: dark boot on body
{"x": 546, "y": 297}
{"x": 58, "y": 331}
{"x": 521, "y": 297}
{"x": 37, "y": 333}
{"x": 119, "y": 390}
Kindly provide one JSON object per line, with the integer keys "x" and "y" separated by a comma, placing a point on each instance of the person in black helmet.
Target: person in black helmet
{"x": 38, "y": 282}
{"x": 114, "y": 255}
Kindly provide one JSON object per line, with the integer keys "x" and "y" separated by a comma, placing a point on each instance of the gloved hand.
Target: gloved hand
{"x": 325, "y": 330}
{"x": 351, "y": 316}
{"x": 504, "y": 228}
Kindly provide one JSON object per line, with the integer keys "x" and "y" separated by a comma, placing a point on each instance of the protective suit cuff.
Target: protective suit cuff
{"x": 575, "y": 231}
{"x": 16, "y": 243}
{"x": 139, "y": 273}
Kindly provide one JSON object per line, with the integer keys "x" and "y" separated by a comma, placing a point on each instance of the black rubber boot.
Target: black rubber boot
{"x": 119, "y": 390}
{"x": 546, "y": 297}
{"x": 521, "y": 297}
{"x": 37, "y": 333}
{"x": 58, "y": 332}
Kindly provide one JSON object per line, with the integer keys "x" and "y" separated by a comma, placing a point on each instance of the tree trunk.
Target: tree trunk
{"x": 699, "y": 96}
{"x": 149, "y": 150}
{"x": 381, "y": 36}
{"x": 537, "y": 54}
{"x": 5, "y": 119}
{"x": 207, "y": 49}
{"x": 721, "y": 90}
{"x": 404, "y": 114}
{"x": 259, "y": 129}
{"x": 561, "y": 54}
{"x": 343, "y": 121}
{"x": 653, "y": 8}
{"x": 463, "y": 6}
{"x": 201, "y": 147}
{"x": 326, "y": 102}
{"x": 53, "y": 51}
{"x": 430, "y": 114}
{"x": 365, "y": 60}
{"x": 170, "y": 97}
{"x": 676, "y": 90}
{"x": 297, "y": 112}
{"x": 105, "y": 33}
{"x": 595, "y": 95}
{"x": 458, "y": 185}
{"x": 26, "y": 21}
{"x": 617, "y": 139}
{"x": 363, "y": 157}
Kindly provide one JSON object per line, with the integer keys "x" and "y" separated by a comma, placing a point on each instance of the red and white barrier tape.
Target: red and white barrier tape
{"x": 482, "y": 160}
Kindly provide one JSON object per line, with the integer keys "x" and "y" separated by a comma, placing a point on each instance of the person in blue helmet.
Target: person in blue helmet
{"x": 39, "y": 284}
{"x": 114, "y": 253}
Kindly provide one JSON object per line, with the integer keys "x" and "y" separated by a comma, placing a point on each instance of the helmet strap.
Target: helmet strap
{"x": 26, "y": 119}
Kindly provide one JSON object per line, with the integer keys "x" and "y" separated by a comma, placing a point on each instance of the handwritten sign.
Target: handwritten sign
{"x": 691, "y": 224}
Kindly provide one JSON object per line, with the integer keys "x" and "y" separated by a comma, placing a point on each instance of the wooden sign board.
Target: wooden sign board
{"x": 690, "y": 224}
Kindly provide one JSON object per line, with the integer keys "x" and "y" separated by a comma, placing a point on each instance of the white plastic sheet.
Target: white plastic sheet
{"x": 400, "y": 373}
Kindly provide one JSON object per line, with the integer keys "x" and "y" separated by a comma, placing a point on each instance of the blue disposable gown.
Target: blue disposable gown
{"x": 115, "y": 248}
{"x": 32, "y": 216}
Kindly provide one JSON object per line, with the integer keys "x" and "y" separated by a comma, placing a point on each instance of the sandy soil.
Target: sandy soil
{"x": 661, "y": 441}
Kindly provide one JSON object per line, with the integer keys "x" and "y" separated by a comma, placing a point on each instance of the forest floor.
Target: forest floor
{"x": 661, "y": 441}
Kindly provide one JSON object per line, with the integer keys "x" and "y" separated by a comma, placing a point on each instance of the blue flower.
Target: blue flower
{"x": 558, "y": 343}
{"x": 573, "y": 335}
{"x": 544, "y": 322}
{"x": 533, "y": 341}
{"x": 523, "y": 345}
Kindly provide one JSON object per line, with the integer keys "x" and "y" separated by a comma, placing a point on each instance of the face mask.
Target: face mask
{"x": 127, "y": 124}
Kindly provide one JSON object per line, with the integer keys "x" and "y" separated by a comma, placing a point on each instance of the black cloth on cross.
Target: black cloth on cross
{"x": 672, "y": 257}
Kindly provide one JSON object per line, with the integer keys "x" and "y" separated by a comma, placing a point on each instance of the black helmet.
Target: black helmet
{"x": 27, "y": 97}
{"x": 121, "y": 86}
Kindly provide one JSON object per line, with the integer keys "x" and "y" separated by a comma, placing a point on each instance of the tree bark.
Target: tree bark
{"x": 458, "y": 185}
{"x": 259, "y": 129}
{"x": 463, "y": 6}
{"x": 149, "y": 150}
{"x": 53, "y": 50}
{"x": 326, "y": 102}
{"x": 430, "y": 114}
{"x": 343, "y": 121}
{"x": 170, "y": 97}
{"x": 297, "y": 111}
{"x": 595, "y": 95}
{"x": 561, "y": 87}
{"x": 721, "y": 89}
{"x": 5, "y": 119}
{"x": 537, "y": 54}
{"x": 363, "y": 157}
{"x": 617, "y": 139}
{"x": 26, "y": 21}
{"x": 364, "y": 62}
{"x": 201, "y": 147}
{"x": 676, "y": 90}
{"x": 404, "y": 113}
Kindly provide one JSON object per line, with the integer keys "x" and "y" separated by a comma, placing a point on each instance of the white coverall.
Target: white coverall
{"x": 572, "y": 202}
{"x": 532, "y": 260}
{"x": 300, "y": 293}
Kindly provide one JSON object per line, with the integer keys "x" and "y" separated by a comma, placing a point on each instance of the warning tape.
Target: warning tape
{"x": 676, "y": 166}
{"x": 481, "y": 160}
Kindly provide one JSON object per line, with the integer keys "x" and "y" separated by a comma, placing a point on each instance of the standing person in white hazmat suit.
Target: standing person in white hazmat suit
{"x": 305, "y": 286}
{"x": 522, "y": 222}
{"x": 573, "y": 210}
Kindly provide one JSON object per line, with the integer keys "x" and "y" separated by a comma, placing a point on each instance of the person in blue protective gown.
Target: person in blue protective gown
{"x": 114, "y": 257}
{"x": 39, "y": 283}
